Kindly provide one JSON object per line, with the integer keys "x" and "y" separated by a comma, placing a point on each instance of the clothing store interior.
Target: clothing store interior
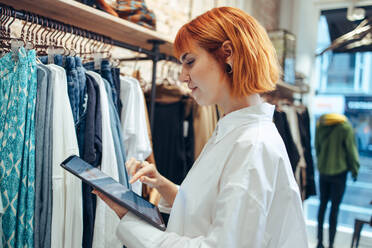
{"x": 99, "y": 79}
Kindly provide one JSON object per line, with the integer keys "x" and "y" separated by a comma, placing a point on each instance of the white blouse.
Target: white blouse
{"x": 67, "y": 212}
{"x": 239, "y": 193}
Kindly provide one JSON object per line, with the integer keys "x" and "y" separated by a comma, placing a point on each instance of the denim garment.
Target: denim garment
{"x": 116, "y": 76}
{"x": 73, "y": 86}
{"x": 58, "y": 60}
{"x": 18, "y": 88}
{"x": 81, "y": 122}
{"x": 73, "y": 81}
{"x": 118, "y": 139}
{"x": 82, "y": 85}
{"x": 105, "y": 73}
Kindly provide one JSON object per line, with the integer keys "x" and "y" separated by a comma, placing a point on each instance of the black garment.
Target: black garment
{"x": 116, "y": 78}
{"x": 304, "y": 126}
{"x": 173, "y": 141}
{"x": 92, "y": 153}
{"x": 173, "y": 152}
{"x": 331, "y": 188}
{"x": 281, "y": 123}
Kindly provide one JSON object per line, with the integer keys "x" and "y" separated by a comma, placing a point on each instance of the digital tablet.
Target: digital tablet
{"x": 116, "y": 191}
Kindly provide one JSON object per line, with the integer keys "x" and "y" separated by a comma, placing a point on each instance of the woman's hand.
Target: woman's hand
{"x": 145, "y": 172}
{"x": 119, "y": 210}
{"x": 148, "y": 174}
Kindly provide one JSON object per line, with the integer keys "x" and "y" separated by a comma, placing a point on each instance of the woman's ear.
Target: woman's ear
{"x": 227, "y": 50}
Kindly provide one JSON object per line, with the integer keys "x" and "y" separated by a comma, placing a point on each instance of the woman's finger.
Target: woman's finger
{"x": 134, "y": 167}
{"x": 129, "y": 164}
{"x": 143, "y": 171}
{"x": 148, "y": 181}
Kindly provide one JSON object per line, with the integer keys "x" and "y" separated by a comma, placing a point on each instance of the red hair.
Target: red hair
{"x": 255, "y": 64}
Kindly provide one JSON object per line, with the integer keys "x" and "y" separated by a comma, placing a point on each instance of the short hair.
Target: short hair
{"x": 255, "y": 64}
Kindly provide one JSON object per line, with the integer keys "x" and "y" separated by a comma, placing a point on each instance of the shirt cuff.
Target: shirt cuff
{"x": 134, "y": 232}
{"x": 164, "y": 206}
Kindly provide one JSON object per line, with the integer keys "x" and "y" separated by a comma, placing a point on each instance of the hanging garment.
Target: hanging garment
{"x": 116, "y": 78}
{"x": 205, "y": 121}
{"x": 18, "y": 87}
{"x": 105, "y": 71}
{"x": 117, "y": 137}
{"x": 300, "y": 173}
{"x": 150, "y": 194}
{"x": 106, "y": 220}
{"x": 304, "y": 125}
{"x": 72, "y": 86}
{"x": 239, "y": 192}
{"x": 75, "y": 74}
{"x": 1, "y": 226}
{"x": 133, "y": 122}
{"x": 82, "y": 87}
{"x": 67, "y": 220}
{"x": 43, "y": 158}
{"x": 169, "y": 141}
{"x": 90, "y": 144}
{"x": 281, "y": 123}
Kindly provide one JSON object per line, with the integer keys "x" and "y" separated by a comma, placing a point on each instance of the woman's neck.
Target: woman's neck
{"x": 234, "y": 103}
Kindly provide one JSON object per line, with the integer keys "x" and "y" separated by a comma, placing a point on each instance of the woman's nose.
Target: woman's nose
{"x": 184, "y": 76}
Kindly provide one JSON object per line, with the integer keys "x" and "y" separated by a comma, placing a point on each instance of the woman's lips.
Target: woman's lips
{"x": 193, "y": 89}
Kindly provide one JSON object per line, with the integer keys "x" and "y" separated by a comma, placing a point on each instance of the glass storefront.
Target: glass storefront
{"x": 345, "y": 87}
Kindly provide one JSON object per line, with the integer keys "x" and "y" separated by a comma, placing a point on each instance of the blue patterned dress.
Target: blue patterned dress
{"x": 18, "y": 86}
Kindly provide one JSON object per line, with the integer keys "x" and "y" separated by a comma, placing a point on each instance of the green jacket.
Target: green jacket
{"x": 335, "y": 146}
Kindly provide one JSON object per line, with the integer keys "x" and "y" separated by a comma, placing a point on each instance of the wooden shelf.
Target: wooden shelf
{"x": 85, "y": 17}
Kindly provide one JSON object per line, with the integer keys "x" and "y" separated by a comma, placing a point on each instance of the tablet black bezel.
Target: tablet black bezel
{"x": 117, "y": 200}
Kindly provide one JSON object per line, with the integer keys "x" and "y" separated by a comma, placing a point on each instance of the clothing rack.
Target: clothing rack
{"x": 154, "y": 54}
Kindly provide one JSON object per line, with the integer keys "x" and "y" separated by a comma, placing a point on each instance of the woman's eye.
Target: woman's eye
{"x": 190, "y": 62}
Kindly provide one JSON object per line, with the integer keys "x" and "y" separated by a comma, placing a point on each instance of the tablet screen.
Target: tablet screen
{"x": 116, "y": 191}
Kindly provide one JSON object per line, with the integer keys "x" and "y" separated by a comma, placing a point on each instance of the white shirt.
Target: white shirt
{"x": 67, "y": 217}
{"x": 133, "y": 122}
{"x": 239, "y": 193}
{"x": 106, "y": 219}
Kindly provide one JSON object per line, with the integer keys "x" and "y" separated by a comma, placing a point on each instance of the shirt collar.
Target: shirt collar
{"x": 253, "y": 114}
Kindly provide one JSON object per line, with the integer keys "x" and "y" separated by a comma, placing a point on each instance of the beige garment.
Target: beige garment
{"x": 152, "y": 195}
{"x": 205, "y": 121}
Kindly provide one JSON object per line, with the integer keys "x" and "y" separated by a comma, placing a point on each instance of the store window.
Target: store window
{"x": 344, "y": 85}
{"x": 342, "y": 73}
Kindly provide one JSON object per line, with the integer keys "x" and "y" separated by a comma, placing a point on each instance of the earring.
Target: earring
{"x": 228, "y": 68}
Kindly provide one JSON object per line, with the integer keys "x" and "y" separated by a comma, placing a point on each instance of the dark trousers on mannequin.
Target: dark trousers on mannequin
{"x": 332, "y": 189}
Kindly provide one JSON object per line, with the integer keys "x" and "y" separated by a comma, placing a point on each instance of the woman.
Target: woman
{"x": 240, "y": 192}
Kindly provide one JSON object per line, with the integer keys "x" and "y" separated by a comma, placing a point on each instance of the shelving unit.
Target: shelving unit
{"x": 85, "y": 17}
